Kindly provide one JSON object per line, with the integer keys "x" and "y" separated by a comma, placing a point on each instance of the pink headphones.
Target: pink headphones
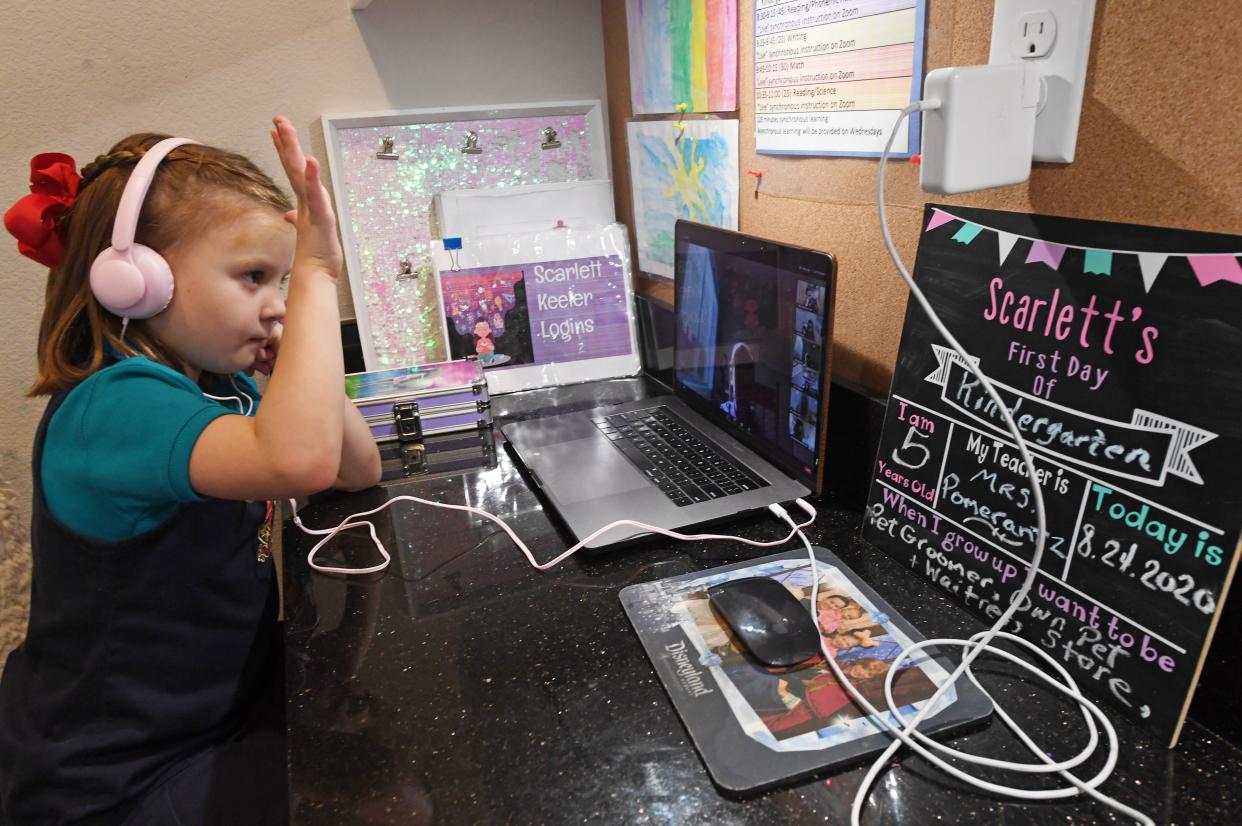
{"x": 129, "y": 279}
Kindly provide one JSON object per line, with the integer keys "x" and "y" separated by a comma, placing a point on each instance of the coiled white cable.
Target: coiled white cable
{"x": 923, "y": 745}
{"x": 979, "y": 643}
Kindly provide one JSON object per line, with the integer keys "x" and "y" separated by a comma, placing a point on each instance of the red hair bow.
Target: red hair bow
{"x": 32, "y": 220}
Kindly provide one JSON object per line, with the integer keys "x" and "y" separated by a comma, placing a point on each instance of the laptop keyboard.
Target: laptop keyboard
{"x": 685, "y": 467}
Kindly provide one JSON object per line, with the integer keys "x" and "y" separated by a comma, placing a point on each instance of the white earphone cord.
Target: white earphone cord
{"x": 244, "y": 408}
{"x": 976, "y": 645}
{"x": 348, "y": 522}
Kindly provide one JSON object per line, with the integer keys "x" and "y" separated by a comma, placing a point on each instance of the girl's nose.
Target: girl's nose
{"x": 275, "y": 307}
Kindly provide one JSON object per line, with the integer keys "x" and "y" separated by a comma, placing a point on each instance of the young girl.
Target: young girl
{"x": 835, "y": 609}
{"x": 148, "y": 688}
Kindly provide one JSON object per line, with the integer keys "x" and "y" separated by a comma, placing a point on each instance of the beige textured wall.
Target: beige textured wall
{"x": 75, "y": 79}
{"x": 1157, "y": 145}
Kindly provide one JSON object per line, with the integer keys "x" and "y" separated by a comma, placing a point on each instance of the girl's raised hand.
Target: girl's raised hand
{"x": 317, "y": 244}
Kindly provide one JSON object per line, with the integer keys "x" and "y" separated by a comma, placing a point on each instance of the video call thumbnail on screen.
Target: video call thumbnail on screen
{"x": 750, "y": 343}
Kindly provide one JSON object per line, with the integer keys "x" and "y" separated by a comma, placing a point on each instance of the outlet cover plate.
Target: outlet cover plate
{"x": 1064, "y": 68}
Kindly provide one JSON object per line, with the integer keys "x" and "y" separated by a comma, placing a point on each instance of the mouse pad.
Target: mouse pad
{"x": 757, "y": 726}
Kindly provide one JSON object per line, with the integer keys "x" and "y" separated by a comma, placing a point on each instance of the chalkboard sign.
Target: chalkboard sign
{"x": 1118, "y": 351}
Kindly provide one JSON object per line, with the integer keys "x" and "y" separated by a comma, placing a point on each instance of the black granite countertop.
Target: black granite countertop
{"x": 461, "y": 686}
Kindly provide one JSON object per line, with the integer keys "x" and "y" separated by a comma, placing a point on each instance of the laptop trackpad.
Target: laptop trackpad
{"x": 586, "y": 469}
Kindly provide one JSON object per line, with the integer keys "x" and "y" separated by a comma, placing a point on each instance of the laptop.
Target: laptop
{"x": 744, "y": 425}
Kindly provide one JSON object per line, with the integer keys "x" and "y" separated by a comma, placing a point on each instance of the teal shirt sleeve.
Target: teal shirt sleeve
{"x": 116, "y": 456}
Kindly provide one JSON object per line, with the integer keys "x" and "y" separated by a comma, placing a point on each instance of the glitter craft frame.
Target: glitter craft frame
{"x": 384, "y": 204}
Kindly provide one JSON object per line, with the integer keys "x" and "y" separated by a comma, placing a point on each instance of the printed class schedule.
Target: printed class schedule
{"x": 832, "y": 75}
{"x": 1119, "y": 367}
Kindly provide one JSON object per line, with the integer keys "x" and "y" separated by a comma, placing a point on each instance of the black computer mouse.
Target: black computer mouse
{"x": 767, "y": 619}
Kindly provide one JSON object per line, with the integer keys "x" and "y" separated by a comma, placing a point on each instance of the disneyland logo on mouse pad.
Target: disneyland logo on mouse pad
{"x": 688, "y": 677}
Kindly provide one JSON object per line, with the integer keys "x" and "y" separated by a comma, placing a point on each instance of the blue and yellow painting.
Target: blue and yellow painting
{"x": 689, "y": 173}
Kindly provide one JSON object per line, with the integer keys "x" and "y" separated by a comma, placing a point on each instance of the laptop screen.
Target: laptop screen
{"x": 753, "y": 341}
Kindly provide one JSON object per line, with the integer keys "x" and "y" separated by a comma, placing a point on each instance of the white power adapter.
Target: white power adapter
{"x": 978, "y": 127}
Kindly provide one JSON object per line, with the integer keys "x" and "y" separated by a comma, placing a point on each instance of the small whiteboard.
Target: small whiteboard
{"x": 540, "y": 309}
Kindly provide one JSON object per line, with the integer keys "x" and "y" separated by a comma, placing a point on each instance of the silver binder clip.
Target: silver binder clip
{"x": 452, "y": 246}
{"x": 386, "y": 152}
{"x": 549, "y": 138}
{"x": 472, "y": 144}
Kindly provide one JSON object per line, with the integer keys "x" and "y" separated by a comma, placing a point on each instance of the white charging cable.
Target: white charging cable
{"x": 349, "y": 522}
{"x": 979, "y": 643}
{"x": 923, "y": 745}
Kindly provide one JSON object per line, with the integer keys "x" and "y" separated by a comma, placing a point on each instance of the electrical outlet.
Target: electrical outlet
{"x": 1034, "y": 35}
{"x": 1054, "y": 36}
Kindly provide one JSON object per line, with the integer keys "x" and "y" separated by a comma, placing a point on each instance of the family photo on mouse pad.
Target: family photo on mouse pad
{"x": 782, "y": 722}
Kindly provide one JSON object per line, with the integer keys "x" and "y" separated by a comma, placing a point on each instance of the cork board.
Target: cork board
{"x": 1154, "y": 147}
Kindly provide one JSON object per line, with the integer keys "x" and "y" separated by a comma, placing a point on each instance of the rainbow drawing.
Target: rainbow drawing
{"x": 682, "y": 53}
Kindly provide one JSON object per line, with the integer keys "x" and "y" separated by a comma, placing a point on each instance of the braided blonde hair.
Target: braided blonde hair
{"x": 195, "y": 186}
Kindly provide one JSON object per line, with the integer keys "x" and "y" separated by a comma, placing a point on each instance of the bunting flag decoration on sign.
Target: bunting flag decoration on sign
{"x": 938, "y": 217}
{"x": 1208, "y": 268}
{"x": 967, "y": 233}
{"x": 1212, "y": 268}
{"x": 1050, "y": 254}
{"x": 1150, "y": 264}
{"x": 1006, "y": 240}
{"x": 1098, "y": 262}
